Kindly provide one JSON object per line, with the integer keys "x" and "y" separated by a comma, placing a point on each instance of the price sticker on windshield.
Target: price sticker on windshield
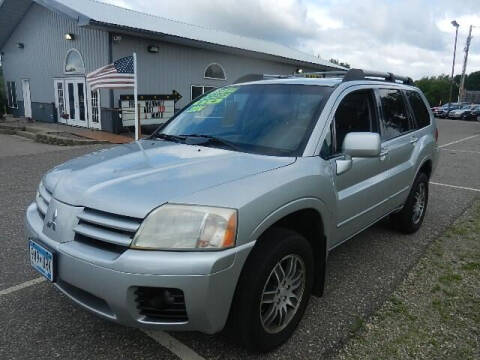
{"x": 215, "y": 97}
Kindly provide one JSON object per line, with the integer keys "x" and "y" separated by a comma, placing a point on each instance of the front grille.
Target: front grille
{"x": 43, "y": 199}
{"x": 164, "y": 305}
{"x": 105, "y": 229}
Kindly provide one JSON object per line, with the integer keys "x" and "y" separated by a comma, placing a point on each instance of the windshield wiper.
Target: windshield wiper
{"x": 173, "y": 138}
{"x": 209, "y": 139}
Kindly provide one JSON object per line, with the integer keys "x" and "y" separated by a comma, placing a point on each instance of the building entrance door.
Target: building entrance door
{"x": 60, "y": 100}
{"x": 76, "y": 102}
{"x": 27, "y": 100}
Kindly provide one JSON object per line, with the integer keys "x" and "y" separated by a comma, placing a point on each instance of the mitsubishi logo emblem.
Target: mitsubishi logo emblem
{"x": 52, "y": 224}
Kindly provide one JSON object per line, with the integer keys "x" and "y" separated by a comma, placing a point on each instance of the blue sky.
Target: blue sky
{"x": 409, "y": 37}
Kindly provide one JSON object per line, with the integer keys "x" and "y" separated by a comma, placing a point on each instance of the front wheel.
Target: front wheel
{"x": 273, "y": 290}
{"x": 410, "y": 218}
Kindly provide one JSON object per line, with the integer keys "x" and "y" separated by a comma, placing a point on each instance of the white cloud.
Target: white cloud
{"x": 411, "y": 37}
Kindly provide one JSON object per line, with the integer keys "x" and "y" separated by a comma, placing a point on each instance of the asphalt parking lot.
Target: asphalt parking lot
{"x": 36, "y": 321}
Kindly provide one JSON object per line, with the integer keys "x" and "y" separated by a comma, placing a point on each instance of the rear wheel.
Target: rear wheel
{"x": 273, "y": 290}
{"x": 410, "y": 218}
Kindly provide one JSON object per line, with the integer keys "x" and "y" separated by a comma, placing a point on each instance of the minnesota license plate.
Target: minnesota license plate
{"x": 41, "y": 259}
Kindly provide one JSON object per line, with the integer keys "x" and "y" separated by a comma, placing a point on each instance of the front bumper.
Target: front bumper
{"x": 105, "y": 283}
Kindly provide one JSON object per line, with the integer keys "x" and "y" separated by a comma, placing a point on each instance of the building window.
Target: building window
{"x": 215, "y": 71}
{"x": 12, "y": 94}
{"x": 200, "y": 90}
{"x": 74, "y": 62}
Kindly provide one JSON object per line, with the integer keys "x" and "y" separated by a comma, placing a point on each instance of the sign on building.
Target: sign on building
{"x": 154, "y": 109}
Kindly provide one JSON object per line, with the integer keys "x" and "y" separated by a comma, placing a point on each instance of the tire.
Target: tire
{"x": 249, "y": 321}
{"x": 409, "y": 219}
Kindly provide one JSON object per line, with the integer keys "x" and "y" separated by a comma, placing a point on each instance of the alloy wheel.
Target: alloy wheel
{"x": 419, "y": 203}
{"x": 282, "y": 293}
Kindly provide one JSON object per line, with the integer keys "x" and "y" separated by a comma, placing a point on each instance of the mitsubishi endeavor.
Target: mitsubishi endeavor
{"x": 227, "y": 213}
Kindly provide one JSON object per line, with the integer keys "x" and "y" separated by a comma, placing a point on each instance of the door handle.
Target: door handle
{"x": 383, "y": 154}
{"x": 413, "y": 140}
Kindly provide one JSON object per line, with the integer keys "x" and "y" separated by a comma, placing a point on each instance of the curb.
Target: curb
{"x": 26, "y": 134}
{"x": 44, "y": 137}
{"x": 7, "y": 131}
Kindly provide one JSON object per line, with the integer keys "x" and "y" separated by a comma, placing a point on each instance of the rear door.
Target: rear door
{"x": 398, "y": 143}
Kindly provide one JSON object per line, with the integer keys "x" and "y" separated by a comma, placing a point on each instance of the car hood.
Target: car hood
{"x": 133, "y": 179}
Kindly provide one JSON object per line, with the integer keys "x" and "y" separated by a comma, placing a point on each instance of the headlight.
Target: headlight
{"x": 182, "y": 227}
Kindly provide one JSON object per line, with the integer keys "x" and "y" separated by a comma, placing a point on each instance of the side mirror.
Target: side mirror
{"x": 362, "y": 144}
{"x": 358, "y": 144}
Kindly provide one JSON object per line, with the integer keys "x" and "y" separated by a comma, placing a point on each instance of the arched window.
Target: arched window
{"x": 215, "y": 71}
{"x": 74, "y": 62}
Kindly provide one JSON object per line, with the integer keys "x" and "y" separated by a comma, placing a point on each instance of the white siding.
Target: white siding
{"x": 42, "y": 59}
{"x": 178, "y": 67}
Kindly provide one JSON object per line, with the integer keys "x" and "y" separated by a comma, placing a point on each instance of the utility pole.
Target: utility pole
{"x": 454, "y": 23}
{"x": 461, "y": 93}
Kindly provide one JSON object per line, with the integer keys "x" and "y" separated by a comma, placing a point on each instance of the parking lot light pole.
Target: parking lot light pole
{"x": 454, "y": 23}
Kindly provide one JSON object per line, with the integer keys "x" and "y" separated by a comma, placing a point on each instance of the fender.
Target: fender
{"x": 326, "y": 219}
{"x": 290, "y": 208}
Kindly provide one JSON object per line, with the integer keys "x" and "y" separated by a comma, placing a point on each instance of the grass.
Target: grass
{"x": 435, "y": 312}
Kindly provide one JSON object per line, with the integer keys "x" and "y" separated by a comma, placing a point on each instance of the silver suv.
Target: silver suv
{"x": 226, "y": 214}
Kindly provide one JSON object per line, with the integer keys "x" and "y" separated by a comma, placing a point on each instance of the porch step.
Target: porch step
{"x": 58, "y": 140}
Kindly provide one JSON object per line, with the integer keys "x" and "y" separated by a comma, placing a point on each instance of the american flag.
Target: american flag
{"x": 117, "y": 75}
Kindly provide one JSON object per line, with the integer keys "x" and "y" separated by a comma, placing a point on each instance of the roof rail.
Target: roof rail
{"x": 359, "y": 74}
{"x": 348, "y": 75}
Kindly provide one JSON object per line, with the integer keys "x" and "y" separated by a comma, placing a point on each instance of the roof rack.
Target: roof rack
{"x": 359, "y": 74}
{"x": 350, "y": 75}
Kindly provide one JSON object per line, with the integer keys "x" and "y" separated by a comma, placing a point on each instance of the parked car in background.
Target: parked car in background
{"x": 474, "y": 113}
{"x": 462, "y": 112}
{"x": 438, "y": 110}
{"x": 228, "y": 212}
{"x": 444, "y": 111}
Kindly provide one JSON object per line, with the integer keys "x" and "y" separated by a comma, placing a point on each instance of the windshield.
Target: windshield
{"x": 270, "y": 119}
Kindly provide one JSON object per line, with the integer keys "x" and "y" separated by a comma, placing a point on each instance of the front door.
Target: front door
{"x": 27, "y": 101}
{"x": 76, "y": 102}
{"x": 360, "y": 191}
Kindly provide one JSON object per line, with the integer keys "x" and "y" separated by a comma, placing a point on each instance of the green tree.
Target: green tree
{"x": 437, "y": 89}
{"x": 472, "y": 81}
{"x": 338, "y": 62}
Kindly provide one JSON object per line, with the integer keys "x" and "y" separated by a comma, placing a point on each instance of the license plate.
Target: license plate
{"x": 41, "y": 259}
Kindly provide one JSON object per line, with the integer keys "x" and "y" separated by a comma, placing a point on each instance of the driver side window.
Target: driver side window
{"x": 356, "y": 113}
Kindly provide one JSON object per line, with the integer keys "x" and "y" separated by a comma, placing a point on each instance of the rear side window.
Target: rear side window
{"x": 395, "y": 116}
{"x": 419, "y": 109}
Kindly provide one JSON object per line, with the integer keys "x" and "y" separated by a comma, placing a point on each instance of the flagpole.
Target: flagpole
{"x": 135, "y": 95}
